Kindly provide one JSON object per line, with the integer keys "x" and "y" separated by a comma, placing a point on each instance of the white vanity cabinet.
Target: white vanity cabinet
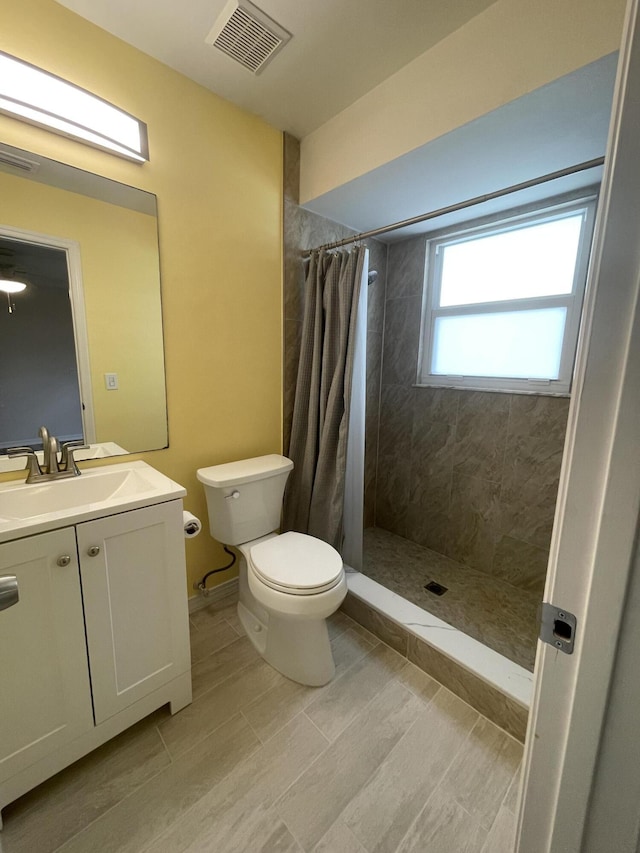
{"x": 98, "y": 639}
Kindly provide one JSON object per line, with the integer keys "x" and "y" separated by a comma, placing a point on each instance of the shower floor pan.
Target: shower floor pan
{"x": 485, "y": 626}
{"x": 491, "y": 611}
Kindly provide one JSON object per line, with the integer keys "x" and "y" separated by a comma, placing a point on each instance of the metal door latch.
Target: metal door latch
{"x": 557, "y": 627}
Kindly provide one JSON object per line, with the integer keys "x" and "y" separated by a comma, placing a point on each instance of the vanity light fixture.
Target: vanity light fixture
{"x": 43, "y": 99}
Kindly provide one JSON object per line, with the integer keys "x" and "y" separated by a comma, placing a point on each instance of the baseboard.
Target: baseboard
{"x": 227, "y": 589}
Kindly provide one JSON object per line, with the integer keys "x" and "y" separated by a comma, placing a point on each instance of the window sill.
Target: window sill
{"x": 538, "y": 392}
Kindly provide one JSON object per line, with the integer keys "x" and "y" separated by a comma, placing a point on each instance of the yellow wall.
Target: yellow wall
{"x": 217, "y": 172}
{"x": 510, "y": 49}
{"x": 119, "y": 259}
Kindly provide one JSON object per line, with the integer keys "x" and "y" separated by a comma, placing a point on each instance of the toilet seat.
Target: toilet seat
{"x": 297, "y": 564}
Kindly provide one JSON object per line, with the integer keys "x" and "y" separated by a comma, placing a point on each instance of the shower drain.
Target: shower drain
{"x": 435, "y": 588}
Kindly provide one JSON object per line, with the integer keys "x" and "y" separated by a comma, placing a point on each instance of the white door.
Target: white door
{"x": 575, "y": 797}
{"x": 133, "y": 582}
{"x": 45, "y": 697}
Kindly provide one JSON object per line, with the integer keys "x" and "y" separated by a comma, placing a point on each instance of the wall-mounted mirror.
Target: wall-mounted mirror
{"x": 81, "y": 346}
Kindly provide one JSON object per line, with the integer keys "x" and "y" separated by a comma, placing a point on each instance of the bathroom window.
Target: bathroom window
{"x": 503, "y": 302}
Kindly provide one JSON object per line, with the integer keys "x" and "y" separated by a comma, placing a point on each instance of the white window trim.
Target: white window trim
{"x": 572, "y": 301}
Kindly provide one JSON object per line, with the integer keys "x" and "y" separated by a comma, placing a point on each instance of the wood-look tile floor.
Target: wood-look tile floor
{"x": 486, "y": 608}
{"x": 382, "y": 759}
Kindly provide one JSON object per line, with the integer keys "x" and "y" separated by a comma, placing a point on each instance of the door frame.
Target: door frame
{"x": 78, "y": 315}
{"x": 594, "y": 539}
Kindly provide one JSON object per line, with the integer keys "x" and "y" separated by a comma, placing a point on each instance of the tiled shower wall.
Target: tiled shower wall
{"x": 470, "y": 474}
{"x": 304, "y": 230}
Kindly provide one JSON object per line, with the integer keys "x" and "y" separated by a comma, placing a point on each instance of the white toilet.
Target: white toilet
{"x": 290, "y": 582}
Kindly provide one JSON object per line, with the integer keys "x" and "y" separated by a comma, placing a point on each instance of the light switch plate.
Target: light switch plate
{"x": 111, "y": 381}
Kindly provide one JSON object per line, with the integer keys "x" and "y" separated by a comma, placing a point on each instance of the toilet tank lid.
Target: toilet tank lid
{"x": 244, "y": 470}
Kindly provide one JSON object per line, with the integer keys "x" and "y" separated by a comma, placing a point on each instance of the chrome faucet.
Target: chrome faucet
{"x": 51, "y": 469}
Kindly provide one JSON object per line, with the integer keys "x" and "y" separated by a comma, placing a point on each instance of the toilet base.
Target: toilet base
{"x": 299, "y": 649}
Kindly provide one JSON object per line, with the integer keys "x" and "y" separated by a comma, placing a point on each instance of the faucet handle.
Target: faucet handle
{"x": 15, "y": 452}
{"x": 32, "y": 465}
{"x": 68, "y": 463}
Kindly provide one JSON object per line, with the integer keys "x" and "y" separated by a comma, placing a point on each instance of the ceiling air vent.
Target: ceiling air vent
{"x": 248, "y": 35}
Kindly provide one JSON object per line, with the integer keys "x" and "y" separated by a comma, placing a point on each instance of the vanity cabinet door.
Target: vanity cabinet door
{"x": 133, "y": 581}
{"x": 45, "y": 696}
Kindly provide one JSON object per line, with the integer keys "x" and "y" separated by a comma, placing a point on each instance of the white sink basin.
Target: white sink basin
{"x": 26, "y": 509}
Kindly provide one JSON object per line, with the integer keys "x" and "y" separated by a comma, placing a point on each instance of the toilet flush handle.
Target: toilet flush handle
{"x": 235, "y": 494}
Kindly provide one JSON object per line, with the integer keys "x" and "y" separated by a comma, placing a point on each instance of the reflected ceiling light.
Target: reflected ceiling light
{"x": 10, "y": 284}
{"x": 11, "y": 280}
{"x": 7, "y": 285}
{"x": 41, "y": 98}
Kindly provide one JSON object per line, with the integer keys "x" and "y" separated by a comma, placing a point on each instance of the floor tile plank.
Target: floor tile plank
{"x": 237, "y": 813}
{"x": 386, "y": 806}
{"x": 230, "y": 696}
{"x": 501, "y": 838}
{"x": 444, "y": 826}
{"x": 339, "y": 839}
{"x": 418, "y": 682}
{"x": 150, "y": 810}
{"x": 316, "y": 799}
{"x": 209, "y": 638}
{"x": 214, "y": 668}
{"x": 511, "y": 798}
{"x": 339, "y": 622}
{"x": 351, "y": 692}
{"x": 483, "y": 770}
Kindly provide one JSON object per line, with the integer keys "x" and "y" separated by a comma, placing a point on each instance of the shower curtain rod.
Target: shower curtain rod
{"x": 452, "y": 208}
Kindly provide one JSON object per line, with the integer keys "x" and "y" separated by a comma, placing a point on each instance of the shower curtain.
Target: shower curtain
{"x": 327, "y": 434}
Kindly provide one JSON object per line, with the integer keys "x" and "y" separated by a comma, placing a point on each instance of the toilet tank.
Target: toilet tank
{"x": 244, "y": 498}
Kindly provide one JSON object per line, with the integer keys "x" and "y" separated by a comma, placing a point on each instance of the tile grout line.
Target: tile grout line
{"x": 171, "y": 759}
{"x": 222, "y": 680}
{"x": 290, "y": 831}
{"x": 317, "y": 728}
{"x": 312, "y": 698}
{"x": 477, "y": 723}
{"x": 261, "y": 740}
{"x": 218, "y": 648}
{"x": 238, "y": 711}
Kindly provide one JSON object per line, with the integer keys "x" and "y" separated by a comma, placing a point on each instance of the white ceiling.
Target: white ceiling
{"x": 339, "y": 50}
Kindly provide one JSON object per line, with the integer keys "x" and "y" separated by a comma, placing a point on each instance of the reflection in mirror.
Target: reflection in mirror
{"x": 81, "y": 345}
{"x": 38, "y": 366}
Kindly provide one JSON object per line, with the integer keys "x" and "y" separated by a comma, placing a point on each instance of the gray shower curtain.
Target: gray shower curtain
{"x": 314, "y": 499}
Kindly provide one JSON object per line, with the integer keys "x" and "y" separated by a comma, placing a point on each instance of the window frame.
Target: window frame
{"x": 431, "y": 309}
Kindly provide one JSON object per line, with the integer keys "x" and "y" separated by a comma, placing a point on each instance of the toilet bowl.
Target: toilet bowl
{"x": 290, "y": 582}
